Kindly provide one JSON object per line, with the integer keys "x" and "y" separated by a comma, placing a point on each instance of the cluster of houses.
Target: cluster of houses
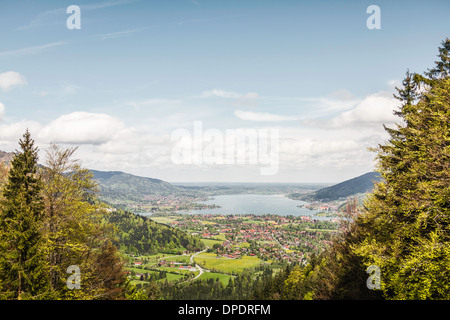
{"x": 139, "y": 263}
{"x": 331, "y": 206}
{"x": 275, "y": 240}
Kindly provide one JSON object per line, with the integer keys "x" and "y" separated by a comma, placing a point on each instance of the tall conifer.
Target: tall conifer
{"x": 22, "y": 265}
{"x": 406, "y": 229}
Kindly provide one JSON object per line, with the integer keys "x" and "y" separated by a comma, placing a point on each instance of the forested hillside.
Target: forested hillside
{"x": 139, "y": 235}
{"x": 52, "y": 225}
{"x": 361, "y": 184}
{"x": 358, "y": 185}
{"x": 117, "y": 185}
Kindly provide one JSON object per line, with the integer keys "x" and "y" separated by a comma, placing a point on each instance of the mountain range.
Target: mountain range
{"x": 125, "y": 186}
{"x": 358, "y": 185}
{"x": 6, "y": 157}
{"x": 119, "y": 185}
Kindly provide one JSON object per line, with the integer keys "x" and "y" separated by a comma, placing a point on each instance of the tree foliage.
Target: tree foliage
{"x": 22, "y": 260}
{"x": 50, "y": 220}
{"x": 407, "y": 219}
{"x": 140, "y": 235}
{"x": 75, "y": 230}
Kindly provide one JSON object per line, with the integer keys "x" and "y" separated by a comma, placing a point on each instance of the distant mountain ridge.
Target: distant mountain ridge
{"x": 6, "y": 157}
{"x": 360, "y": 184}
{"x": 121, "y": 185}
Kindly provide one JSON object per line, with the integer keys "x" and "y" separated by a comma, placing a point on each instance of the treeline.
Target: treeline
{"x": 54, "y": 242}
{"x": 140, "y": 235}
{"x": 317, "y": 280}
{"x": 260, "y": 283}
{"x": 244, "y": 286}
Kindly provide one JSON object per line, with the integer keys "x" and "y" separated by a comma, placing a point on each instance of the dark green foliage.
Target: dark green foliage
{"x": 22, "y": 274}
{"x": 245, "y": 286}
{"x": 405, "y": 229}
{"x": 442, "y": 66}
{"x": 408, "y": 216}
{"x": 48, "y": 222}
{"x": 140, "y": 235}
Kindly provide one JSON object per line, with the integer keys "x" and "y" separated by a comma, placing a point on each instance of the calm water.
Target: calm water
{"x": 255, "y": 204}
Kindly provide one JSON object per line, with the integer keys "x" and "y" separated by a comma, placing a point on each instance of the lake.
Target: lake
{"x": 255, "y": 204}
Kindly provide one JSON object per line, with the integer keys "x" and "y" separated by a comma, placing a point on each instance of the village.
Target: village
{"x": 234, "y": 243}
{"x": 268, "y": 237}
{"x": 166, "y": 204}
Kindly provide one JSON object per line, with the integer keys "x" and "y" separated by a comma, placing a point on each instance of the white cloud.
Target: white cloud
{"x": 153, "y": 102}
{"x": 247, "y": 100}
{"x": 375, "y": 109}
{"x": 343, "y": 95}
{"x": 41, "y": 93}
{"x": 30, "y": 50}
{"x": 220, "y": 93}
{"x": 69, "y": 89}
{"x": 261, "y": 116}
{"x": 64, "y": 89}
{"x": 394, "y": 83}
{"x": 12, "y": 132}
{"x": 106, "y": 4}
{"x": 335, "y": 103}
{"x": 81, "y": 128}
{"x": 306, "y": 153}
{"x": 45, "y": 18}
{"x": 2, "y": 110}
{"x": 111, "y": 35}
{"x": 11, "y": 79}
{"x": 250, "y": 95}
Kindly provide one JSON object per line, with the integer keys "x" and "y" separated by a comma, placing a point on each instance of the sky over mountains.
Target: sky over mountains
{"x": 137, "y": 71}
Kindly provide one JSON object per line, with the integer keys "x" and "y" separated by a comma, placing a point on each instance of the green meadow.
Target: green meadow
{"x": 210, "y": 261}
{"x": 224, "y": 278}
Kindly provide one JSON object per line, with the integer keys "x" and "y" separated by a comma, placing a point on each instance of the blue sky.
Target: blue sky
{"x": 137, "y": 71}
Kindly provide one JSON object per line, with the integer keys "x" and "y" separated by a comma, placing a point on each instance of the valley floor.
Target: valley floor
{"x": 234, "y": 243}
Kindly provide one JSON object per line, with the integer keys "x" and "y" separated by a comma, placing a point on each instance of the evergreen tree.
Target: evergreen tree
{"x": 442, "y": 66}
{"x": 409, "y": 94}
{"x": 406, "y": 228}
{"x": 22, "y": 263}
{"x": 441, "y": 69}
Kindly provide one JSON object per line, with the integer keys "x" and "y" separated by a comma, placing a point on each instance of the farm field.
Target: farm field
{"x": 212, "y": 262}
{"x": 211, "y": 242}
{"x": 224, "y": 278}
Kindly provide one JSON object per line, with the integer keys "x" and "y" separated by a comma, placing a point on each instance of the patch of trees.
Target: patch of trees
{"x": 50, "y": 222}
{"x": 138, "y": 234}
